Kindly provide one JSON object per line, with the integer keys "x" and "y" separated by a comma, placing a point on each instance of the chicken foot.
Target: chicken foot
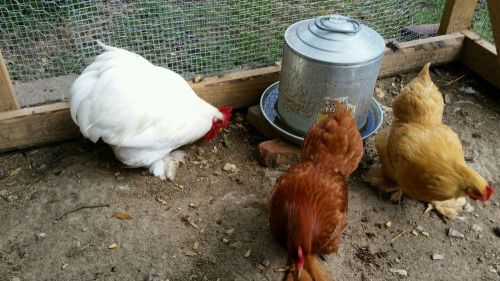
{"x": 316, "y": 270}
{"x": 396, "y": 196}
{"x": 166, "y": 168}
{"x": 451, "y": 208}
{"x": 313, "y": 270}
{"x": 375, "y": 177}
{"x": 293, "y": 276}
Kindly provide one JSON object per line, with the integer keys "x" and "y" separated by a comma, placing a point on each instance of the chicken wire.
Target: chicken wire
{"x": 481, "y": 23}
{"x": 42, "y": 38}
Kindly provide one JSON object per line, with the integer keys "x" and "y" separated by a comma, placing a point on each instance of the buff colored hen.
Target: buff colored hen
{"x": 422, "y": 157}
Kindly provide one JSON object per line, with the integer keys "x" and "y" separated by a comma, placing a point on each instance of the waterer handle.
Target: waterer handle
{"x": 319, "y": 23}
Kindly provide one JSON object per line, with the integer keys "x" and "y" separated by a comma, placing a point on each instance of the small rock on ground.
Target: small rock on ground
{"x": 454, "y": 233}
{"x": 228, "y": 167}
{"x": 477, "y": 228}
{"x": 379, "y": 93}
{"x": 437, "y": 257}
{"x": 401, "y": 272}
{"x": 467, "y": 90}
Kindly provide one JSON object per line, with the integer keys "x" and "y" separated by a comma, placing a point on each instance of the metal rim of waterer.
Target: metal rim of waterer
{"x": 375, "y": 109}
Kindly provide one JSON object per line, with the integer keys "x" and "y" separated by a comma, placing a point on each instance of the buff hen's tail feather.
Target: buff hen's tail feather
{"x": 420, "y": 101}
{"x": 335, "y": 141}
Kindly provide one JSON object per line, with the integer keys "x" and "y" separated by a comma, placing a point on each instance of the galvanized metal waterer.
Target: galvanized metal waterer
{"x": 329, "y": 57}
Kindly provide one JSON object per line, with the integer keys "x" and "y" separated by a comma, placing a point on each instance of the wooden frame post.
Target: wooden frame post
{"x": 8, "y": 99}
{"x": 457, "y": 15}
{"x": 494, "y": 11}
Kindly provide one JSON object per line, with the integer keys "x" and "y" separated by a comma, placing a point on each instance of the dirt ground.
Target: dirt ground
{"x": 211, "y": 224}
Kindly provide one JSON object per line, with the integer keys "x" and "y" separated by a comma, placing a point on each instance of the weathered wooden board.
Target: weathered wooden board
{"x": 37, "y": 125}
{"x": 457, "y": 16}
{"x": 481, "y": 57}
{"x": 414, "y": 54}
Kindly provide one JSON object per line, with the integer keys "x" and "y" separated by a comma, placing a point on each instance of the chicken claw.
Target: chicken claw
{"x": 429, "y": 208}
{"x": 451, "y": 208}
{"x": 396, "y": 196}
{"x": 166, "y": 168}
{"x": 304, "y": 276}
{"x": 375, "y": 177}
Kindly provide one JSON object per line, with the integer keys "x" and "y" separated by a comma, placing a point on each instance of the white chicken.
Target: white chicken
{"x": 144, "y": 112}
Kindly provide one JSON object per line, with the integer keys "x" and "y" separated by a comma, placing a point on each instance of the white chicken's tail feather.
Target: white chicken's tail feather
{"x": 79, "y": 90}
{"x": 106, "y": 47}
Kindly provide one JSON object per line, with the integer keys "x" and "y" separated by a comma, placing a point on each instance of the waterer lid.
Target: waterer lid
{"x": 335, "y": 39}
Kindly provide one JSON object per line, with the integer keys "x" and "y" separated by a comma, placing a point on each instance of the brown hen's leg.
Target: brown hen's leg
{"x": 396, "y": 196}
{"x": 317, "y": 271}
{"x": 293, "y": 276}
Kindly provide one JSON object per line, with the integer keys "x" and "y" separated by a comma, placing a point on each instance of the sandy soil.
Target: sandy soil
{"x": 211, "y": 224}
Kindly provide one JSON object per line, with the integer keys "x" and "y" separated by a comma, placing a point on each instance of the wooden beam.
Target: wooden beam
{"x": 414, "y": 54}
{"x": 481, "y": 57}
{"x": 50, "y": 123}
{"x": 457, "y": 15}
{"x": 238, "y": 89}
{"x": 8, "y": 100}
{"x": 36, "y": 125}
{"x": 494, "y": 11}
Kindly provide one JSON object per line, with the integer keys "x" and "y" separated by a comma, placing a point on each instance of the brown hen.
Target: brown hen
{"x": 335, "y": 141}
{"x": 308, "y": 207}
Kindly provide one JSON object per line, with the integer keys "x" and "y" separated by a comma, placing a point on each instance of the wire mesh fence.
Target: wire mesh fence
{"x": 481, "y": 23}
{"x": 42, "y": 38}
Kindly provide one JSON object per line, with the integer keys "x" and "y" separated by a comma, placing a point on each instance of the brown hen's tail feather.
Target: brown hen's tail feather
{"x": 334, "y": 141}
